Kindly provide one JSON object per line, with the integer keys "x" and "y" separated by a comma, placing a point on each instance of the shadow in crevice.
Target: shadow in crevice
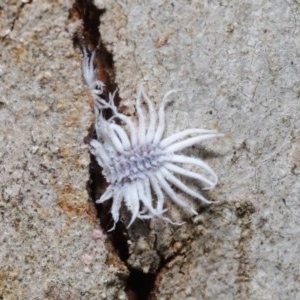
{"x": 140, "y": 285}
{"x": 87, "y": 36}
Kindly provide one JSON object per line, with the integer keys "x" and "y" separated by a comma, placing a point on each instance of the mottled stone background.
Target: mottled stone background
{"x": 237, "y": 63}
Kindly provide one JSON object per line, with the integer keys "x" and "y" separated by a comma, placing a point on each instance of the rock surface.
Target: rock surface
{"x": 46, "y": 246}
{"x": 238, "y": 66}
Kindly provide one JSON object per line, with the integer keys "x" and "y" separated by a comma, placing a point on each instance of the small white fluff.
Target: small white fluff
{"x": 138, "y": 162}
{"x": 95, "y": 86}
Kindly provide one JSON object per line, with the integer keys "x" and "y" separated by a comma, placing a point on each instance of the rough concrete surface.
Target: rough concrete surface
{"x": 47, "y": 250}
{"x": 237, "y": 63}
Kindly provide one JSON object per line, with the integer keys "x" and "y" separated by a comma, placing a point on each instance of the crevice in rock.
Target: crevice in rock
{"x": 144, "y": 286}
{"x": 138, "y": 285}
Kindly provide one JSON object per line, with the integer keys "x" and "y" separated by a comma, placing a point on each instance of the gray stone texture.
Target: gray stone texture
{"x": 237, "y": 63}
{"x": 46, "y": 223}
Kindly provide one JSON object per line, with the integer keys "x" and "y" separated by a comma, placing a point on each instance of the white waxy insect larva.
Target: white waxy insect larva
{"x": 139, "y": 163}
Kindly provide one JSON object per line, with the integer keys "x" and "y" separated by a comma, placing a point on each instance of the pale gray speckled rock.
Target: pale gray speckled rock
{"x": 46, "y": 248}
{"x": 238, "y": 64}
